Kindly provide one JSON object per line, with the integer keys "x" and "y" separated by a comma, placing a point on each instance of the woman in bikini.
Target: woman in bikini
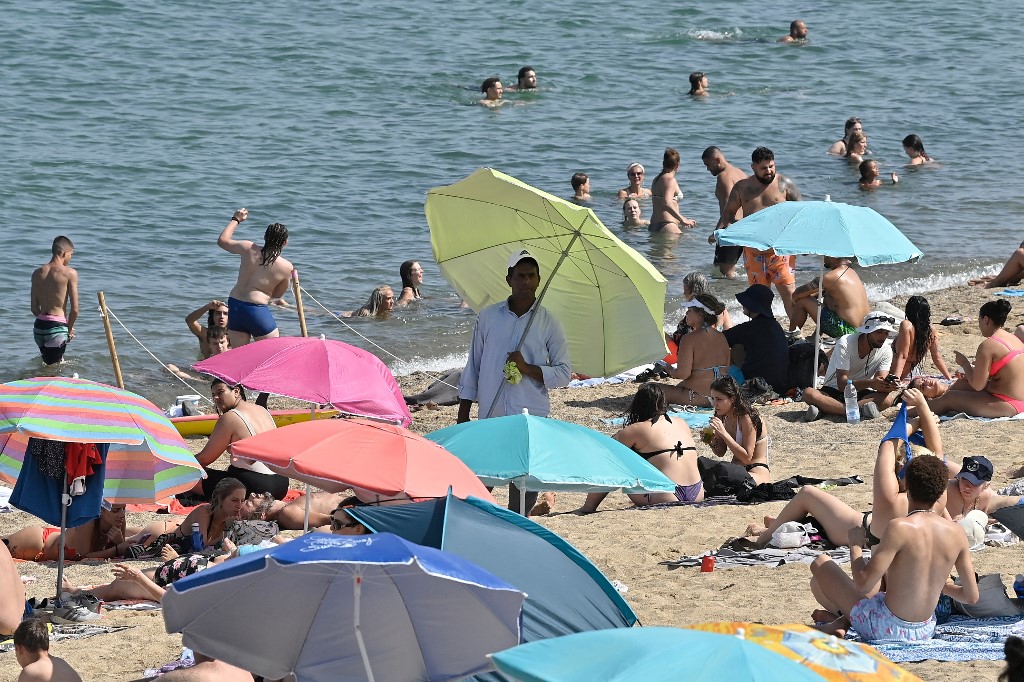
{"x": 666, "y": 443}
{"x": 703, "y": 354}
{"x": 993, "y": 386}
{"x": 665, "y": 196}
{"x": 238, "y": 419}
{"x": 96, "y": 539}
{"x": 739, "y": 429}
{"x": 913, "y": 147}
{"x": 916, "y": 339}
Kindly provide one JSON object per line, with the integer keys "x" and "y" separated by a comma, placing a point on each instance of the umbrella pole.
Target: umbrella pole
{"x": 522, "y": 499}
{"x": 110, "y": 339}
{"x": 298, "y": 303}
{"x": 65, "y": 500}
{"x": 817, "y": 324}
{"x": 357, "y": 587}
{"x": 305, "y": 521}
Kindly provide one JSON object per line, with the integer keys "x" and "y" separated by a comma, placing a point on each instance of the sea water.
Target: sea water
{"x": 137, "y": 128}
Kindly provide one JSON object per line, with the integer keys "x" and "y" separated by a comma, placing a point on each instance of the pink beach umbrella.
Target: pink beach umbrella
{"x": 316, "y": 370}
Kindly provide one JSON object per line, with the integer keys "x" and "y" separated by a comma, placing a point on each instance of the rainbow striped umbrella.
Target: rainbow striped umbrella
{"x": 147, "y": 460}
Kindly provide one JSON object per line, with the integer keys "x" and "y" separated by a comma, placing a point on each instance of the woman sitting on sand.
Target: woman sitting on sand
{"x": 994, "y": 385}
{"x": 915, "y": 339}
{"x": 238, "y": 419}
{"x": 635, "y": 190}
{"x": 738, "y": 428}
{"x": 631, "y": 214}
{"x": 96, "y": 539}
{"x": 703, "y": 354}
{"x": 412, "y": 279}
{"x": 665, "y": 443}
{"x": 856, "y": 148}
{"x": 914, "y": 148}
{"x": 379, "y": 305}
{"x": 834, "y": 517}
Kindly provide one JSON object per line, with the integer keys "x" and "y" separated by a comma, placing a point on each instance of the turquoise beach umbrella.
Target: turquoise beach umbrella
{"x": 539, "y": 453}
{"x": 651, "y": 654}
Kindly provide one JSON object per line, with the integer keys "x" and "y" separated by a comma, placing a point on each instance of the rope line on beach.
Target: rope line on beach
{"x": 195, "y": 390}
{"x": 355, "y": 331}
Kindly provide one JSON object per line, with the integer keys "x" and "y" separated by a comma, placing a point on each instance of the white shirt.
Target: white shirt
{"x": 845, "y": 356}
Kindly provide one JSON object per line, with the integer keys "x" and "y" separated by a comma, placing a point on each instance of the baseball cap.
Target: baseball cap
{"x": 875, "y": 321}
{"x": 517, "y": 256}
{"x": 976, "y": 470}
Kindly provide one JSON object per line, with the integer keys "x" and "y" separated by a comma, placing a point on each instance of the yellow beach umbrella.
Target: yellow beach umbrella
{"x": 829, "y": 656}
{"x": 609, "y": 298}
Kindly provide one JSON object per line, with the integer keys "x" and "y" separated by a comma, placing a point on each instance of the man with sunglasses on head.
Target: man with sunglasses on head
{"x": 863, "y": 357}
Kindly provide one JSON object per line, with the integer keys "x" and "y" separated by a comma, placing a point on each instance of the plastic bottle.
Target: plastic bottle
{"x": 197, "y": 538}
{"x": 850, "y": 398}
{"x": 1018, "y": 586}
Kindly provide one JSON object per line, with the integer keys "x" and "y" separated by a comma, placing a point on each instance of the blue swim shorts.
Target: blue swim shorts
{"x": 252, "y": 318}
{"x": 873, "y": 621}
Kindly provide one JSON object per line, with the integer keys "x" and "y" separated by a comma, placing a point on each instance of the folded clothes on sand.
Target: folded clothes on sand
{"x": 961, "y": 639}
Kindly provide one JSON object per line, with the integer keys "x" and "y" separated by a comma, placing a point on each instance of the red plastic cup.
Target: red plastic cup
{"x": 707, "y": 564}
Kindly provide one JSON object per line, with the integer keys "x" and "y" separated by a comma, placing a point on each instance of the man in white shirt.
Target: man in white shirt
{"x": 864, "y": 358}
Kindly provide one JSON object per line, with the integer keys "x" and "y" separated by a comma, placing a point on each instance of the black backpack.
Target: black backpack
{"x": 801, "y": 365}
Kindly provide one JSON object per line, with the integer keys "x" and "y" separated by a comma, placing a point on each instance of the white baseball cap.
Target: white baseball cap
{"x": 877, "y": 320}
{"x": 517, "y": 256}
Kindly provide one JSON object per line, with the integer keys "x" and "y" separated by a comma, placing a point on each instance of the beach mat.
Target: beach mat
{"x": 769, "y": 556}
{"x": 964, "y": 415}
{"x": 63, "y": 632}
{"x": 961, "y": 639}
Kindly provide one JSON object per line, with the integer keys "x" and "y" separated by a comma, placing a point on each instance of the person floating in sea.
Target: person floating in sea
{"x": 262, "y": 275}
{"x": 379, "y": 305}
{"x": 631, "y": 214}
{"x": 797, "y": 33}
{"x": 54, "y": 297}
{"x": 765, "y": 188}
{"x": 869, "y": 175}
{"x": 493, "y": 90}
{"x": 913, "y": 147}
{"x": 665, "y": 196}
{"x": 726, "y": 176}
{"x": 580, "y": 187}
{"x": 526, "y": 79}
{"x": 635, "y": 190}
{"x": 856, "y": 148}
{"x": 698, "y": 84}
{"x": 852, "y": 125}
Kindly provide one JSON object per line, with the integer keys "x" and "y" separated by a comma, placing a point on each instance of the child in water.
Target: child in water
{"x": 869, "y": 175}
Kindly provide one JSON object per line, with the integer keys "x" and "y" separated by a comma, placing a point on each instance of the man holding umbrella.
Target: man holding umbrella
{"x": 517, "y": 353}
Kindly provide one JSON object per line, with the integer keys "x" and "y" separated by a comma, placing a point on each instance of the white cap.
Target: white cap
{"x": 514, "y": 259}
{"x": 877, "y": 320}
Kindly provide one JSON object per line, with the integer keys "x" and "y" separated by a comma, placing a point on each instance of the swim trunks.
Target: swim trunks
{"x": 833, "y": 325}
{"x": 252, "y": 318}
{"x": 658, "y": 226}
{"x": 689, "y": 493}
{"x": 767, "y": 268}
{"x": 52, "y": 336}
{"x": 873, "y": 621}
{"x": 727, "y": 255}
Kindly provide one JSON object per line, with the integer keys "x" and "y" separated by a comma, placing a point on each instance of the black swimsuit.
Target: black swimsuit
{"x": 677, "y": 448}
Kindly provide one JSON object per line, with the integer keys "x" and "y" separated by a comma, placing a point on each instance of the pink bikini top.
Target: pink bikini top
{"x": 1005, "y": 360}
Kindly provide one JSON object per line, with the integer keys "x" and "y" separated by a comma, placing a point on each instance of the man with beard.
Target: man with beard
{"x": 864, "y": 358}
{"x": 727, "y": 176}
{"x": 765, "y": 188}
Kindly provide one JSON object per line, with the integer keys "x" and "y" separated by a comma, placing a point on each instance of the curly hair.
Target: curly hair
{"x": 919, "y": 313}
{"x": 1014, "y": 651}
{"x": 273, "y": 241}
{"x": 649, "y": 403}
{"x": 696, "y": 283}
{"x": 728, "y": 387}
{"x": 927, "y": 478}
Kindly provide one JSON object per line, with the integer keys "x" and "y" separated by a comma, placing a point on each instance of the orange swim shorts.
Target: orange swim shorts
{"x": 767, "y": 268}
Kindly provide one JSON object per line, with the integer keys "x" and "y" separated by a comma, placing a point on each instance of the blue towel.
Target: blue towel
{"x": 1012, "y": 292}
{"x": 697, "y": 420}
{"x": 961, "y": 639}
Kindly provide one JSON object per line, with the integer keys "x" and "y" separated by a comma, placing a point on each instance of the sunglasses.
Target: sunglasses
{"x": 880, "y": 318}
{"x": 635, "y": 174}
{"x": 338, "y": 524}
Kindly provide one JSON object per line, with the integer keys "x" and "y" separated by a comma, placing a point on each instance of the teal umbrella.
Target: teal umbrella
{"x": 539, "y": 453}
{"x": 822, "y": 228}
{"x": 655, "y": 654}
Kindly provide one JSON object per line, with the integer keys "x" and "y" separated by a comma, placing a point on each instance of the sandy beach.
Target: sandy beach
{"x": 629, "y": 544}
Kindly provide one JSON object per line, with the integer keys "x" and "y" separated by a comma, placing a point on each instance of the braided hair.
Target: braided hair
{"x": 273, "y": 241}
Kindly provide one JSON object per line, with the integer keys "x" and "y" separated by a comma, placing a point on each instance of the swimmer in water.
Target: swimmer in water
{"x": 914, "y": 148}
{"x": 526, "y": 79}
{"x": 493, "y": 91}
{"x": 797, "y": 33}
{"x": 698, "y": 84}
{"x": 580, "y": 187}
{"x": 857, "y": 147}
{"x": 869, "y": 175}
{"x": 635, "y": 172}
{"x": 631, "y": 214}
{"x": 853, "y": 125}
{"x": 665, "y": 195}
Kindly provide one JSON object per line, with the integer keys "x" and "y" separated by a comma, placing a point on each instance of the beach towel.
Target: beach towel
{"x": 1012, "y": 292}
{"x": 697, "y": 418}
{"x": 5, "y": 499}
{"x": 62, "y": 632}
{"x": 769, "y": 556}
{"x": 706, "y": 502}
{"x": 964, "y": 415}
{"x": 620, "y": 378}
{"x": 961, "y": 639}
{"x": 132, "y": 605}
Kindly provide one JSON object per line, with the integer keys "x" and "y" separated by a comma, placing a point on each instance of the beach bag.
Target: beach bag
{"x": 801, "y": 365}
{"x": 723, "y": 478}
{"x": 992, "y": 599}
{"x": 792, "y": 535}
{"x": 758, "y": 391}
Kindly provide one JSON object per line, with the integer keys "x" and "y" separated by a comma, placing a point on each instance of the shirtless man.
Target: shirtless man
{"x": 54, "y": 286}
{"x": 846, "y": 300}
{"x": 262, "y": 275}
{"x": 727, "y": 176}
{"x": 216, "y": 316}
{"x": 1011, "y": 274}
{"x": 32, "y": 650}
{"x": 797, "y": 33}
{"x": 665, "y": 196}
{"x": 580, "y": 187}
{"x": 765, "y": 188}
{"x": 914, "y": 557}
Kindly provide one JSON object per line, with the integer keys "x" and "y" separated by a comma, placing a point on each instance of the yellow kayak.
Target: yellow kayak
{"x": 202, "y": 424}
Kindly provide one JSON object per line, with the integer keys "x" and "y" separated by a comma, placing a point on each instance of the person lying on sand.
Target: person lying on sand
{"x": 914, "y": 558}
{"x": 1011, "y": 274}
{"x": 292, "y": 515}
{"x": 96, "y": 539}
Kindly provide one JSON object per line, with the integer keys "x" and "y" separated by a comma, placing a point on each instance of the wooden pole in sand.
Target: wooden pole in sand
{"x": 110, "y": 339}
{"x": 298, "y": 303}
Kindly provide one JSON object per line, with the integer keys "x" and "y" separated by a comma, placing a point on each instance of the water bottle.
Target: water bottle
{"x": 1018, "y": 586}
{"x": 850, "y": 398}
{"x": 197, "y": 538}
